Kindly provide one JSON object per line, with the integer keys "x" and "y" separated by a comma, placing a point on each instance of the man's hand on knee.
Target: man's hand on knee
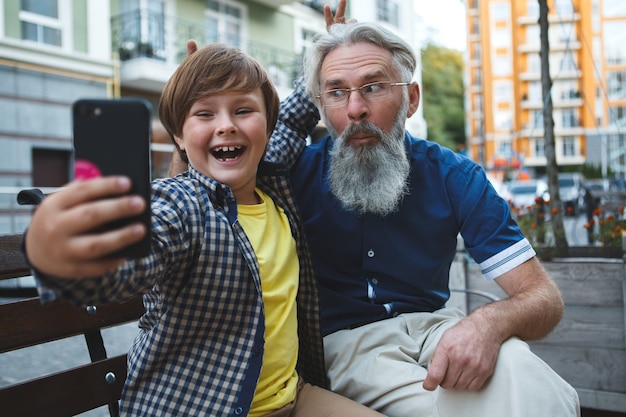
{"x": 464, "y": 359}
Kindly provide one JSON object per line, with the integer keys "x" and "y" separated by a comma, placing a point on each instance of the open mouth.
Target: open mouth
{"x": 227, "y": 153}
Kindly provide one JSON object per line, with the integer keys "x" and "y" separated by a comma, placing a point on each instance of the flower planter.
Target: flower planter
{"x": 547, "y": 253}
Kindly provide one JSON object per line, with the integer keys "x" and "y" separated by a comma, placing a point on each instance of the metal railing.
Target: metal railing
{"x": 145, "y": 34}
{"x": 15, "y": 217}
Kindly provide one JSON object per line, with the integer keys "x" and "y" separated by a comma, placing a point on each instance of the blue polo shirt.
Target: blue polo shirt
{"x": 371, "y": 267}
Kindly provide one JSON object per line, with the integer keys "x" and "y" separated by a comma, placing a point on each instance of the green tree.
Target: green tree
{"x": 442, "y": 95}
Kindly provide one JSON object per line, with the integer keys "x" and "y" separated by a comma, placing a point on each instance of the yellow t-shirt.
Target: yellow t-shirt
{"x": 268, "y": 229}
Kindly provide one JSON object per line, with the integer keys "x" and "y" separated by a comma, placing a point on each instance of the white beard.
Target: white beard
{"x": 370, "y": 179}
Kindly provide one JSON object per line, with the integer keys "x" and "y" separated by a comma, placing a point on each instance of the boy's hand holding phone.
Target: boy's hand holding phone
{"x": 61, "y": 240}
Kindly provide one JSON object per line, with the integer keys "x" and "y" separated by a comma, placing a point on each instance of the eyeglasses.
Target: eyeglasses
{"x": 369, "y": 91}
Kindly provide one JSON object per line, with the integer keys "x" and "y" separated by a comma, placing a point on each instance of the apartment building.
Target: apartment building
{"x": 504, "y": 100}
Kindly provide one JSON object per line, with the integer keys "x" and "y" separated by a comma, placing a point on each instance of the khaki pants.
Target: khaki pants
{"x": 382, "y": 365}
{"x": 312, "y": 401}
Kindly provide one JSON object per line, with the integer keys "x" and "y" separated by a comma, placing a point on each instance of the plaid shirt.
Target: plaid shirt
{"x": 200, "y": 348}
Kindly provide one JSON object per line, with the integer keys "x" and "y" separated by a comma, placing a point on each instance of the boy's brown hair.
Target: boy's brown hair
{"x": 214, "y": 69}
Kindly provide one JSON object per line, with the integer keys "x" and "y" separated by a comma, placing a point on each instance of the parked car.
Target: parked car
{"x": 609, "y": 193}
{"x": 617, "y": 184}
{"x": 524, "y": 192}
{"x": 572, "y": 192}
{"x": 598, "y": 185}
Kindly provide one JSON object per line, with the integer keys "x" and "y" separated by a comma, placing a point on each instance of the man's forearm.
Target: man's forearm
{"x": 532, "y": 310}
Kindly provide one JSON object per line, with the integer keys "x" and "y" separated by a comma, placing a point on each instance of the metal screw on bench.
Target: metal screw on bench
{"x": 92, "y": 310}
{"x": 110, "y": 377}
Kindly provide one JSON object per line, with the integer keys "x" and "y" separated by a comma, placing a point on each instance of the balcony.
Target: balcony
{"x": 274, "y": 3}
{"x": 152, "y": 45}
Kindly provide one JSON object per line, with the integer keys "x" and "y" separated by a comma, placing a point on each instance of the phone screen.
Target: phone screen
{"x": 112, "y": 137}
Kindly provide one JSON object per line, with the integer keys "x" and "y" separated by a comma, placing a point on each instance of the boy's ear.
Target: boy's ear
{"x": 180, "y": 143}
{"x": 180, "y": 149}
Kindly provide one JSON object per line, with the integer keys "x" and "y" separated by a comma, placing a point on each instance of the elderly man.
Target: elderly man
{"x": 382, "y": 211}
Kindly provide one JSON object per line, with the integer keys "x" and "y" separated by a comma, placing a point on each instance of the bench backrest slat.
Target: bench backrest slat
{"x": 66, "y": 393}
{"x": 28, "y": 322}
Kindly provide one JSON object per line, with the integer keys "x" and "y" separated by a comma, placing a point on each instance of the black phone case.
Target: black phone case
{"x": 112, "y": 137}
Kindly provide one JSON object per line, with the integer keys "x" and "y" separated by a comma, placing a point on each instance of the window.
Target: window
{"x": 568, "y": 144}
{"x": 617, "y": 116}
{"x": 533, "y": 35}
{"x": 478, "y": 77}
{"x": 503, "y": 91}
{"x": 566, "y": 90}
{"x": 476, "y": 51}
{"x": 142, "y": 29}
{"x": 569, "y": 118}
{"x": 595, "y": 15}
{"x": 532, "y": 8}
{"x": 614, "y": 40}
{"x": 534, "y": 91}
{"x": 539, "y": 148}
{"x": 475, "y": 25}
{"x": 500, "y": 12}
{"x": 224, "y": 22}
{"x": 565, "y": 62}
{"x": 562, "y": 33}
{"x": 505, "y": 148}
{"x": 502, "y": 65}
{"x": 503, "y": 119}
{"x": 501, "y": 37}
{"x": 534, "y": 63}
{"x": 613, "y": 8}
{"x": 564, "y": 8}
{"x": 40, "y": 21}
{"x": 387, "y": 11}
{"x": 51, "y": 167}
{"x": 537, "y": 119}
{"x": 616, "y": 84}
{"x": 478, "y": 102}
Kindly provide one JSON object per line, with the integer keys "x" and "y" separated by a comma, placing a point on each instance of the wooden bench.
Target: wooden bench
{"x": 26, "y": 322}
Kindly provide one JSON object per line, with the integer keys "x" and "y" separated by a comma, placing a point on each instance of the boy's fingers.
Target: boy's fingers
{"x": 80, "y": 192}
{"x": 84, "y": 255}
{"x": 91, "y": 247}
{"x": 88, "y": 216}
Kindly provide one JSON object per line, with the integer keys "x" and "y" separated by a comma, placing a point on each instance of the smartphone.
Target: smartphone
{"x": 112, "y": 137}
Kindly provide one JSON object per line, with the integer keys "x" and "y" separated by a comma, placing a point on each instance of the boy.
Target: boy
{"x": 222, "y": 286}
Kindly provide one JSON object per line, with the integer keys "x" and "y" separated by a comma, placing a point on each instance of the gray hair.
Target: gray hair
{"x": 403, "y": 58}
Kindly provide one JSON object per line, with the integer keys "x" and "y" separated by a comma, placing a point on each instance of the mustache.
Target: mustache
{"x": 362, "y": 127}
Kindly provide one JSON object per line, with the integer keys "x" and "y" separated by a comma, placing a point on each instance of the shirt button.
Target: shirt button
{"x": 370, "y": 253}
{"x": 374, "y": 281}
{"x": 239, "y": 411}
